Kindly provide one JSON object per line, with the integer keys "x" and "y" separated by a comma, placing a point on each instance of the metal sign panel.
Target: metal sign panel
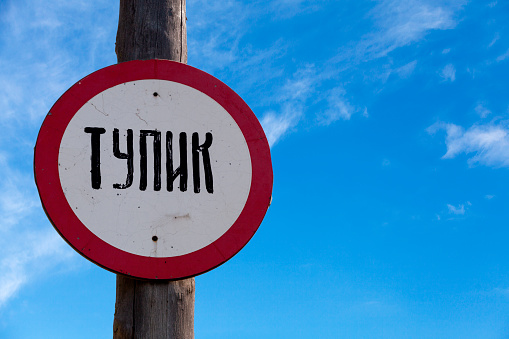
{"x": 153, "y": 169}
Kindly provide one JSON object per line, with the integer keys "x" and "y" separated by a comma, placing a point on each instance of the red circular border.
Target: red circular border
{"x": 92, "y": 247}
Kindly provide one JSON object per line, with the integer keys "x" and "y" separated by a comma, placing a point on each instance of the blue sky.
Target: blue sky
{"x": 389, "y": 128}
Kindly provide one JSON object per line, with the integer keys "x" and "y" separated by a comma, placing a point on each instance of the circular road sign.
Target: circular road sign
{"x": 153, "y": 169}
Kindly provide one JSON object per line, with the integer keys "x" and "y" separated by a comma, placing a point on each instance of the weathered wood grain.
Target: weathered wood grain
{"x": 152, "y": 29}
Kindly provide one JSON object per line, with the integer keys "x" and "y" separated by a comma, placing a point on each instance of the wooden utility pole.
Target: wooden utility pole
{"x": 153, "y": 29}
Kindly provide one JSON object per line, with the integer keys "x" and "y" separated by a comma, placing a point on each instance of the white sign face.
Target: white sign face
{"x": 153, "y": 169}
{"x": 148, "y": 192}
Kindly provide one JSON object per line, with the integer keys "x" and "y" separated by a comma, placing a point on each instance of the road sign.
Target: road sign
{"x": 153, "y": 169}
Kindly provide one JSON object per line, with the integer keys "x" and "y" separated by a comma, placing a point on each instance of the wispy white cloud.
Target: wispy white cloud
{"x": 29, "y": 255}
{"x": 33, "y": 78}
{"x": 485, "y": 144}
{"x": 276, "y": 125}
{"x": 448, "y": 73}
{"x": 16, "y": 198}
{"x": 338, "y": 108}
{"x": 292, "y": 97}
{"x": 503, "y": 56}
{"x": 458, "y": 210}
{"x": 49, "y": 58}
{"x": 290, "y": 8}
{"x": 214, "y": 32}
{"x": 400, "y": 23}
{"x": 297, "y": 95}
{"x": 406, "y": 70}
{"x": 217, "y": 46}
{"x": 26, "y": 248}
{"x": 301, "y": 86}
{"x": 11, "y": 281}
{"x": 494, "y": 40}
{"x": 482, "y": 110}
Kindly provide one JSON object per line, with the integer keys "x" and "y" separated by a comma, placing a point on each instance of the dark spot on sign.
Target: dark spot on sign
{"x": 185, "y": 216}
{"x": 154, "y": 238}
{"x": 156, "y": 94}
